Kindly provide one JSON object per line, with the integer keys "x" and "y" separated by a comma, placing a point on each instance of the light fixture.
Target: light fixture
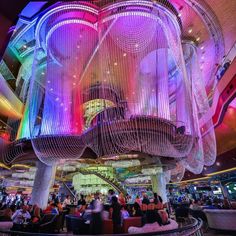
{"x": 136, "y": 45}
{"x": 190, "y": 30}
{"x": 202, "y": 47}
{"x": 74, "y": 84}
{"x": 125, "y": 54}
{"x": 57, "y": 99}
{"x": 51, "y": 89}
{"x": 108, "y": 72}
{"x": 218, "y": 163}
{"x": 49, "y": 81}
{"x": 198, "y": 39}
{"x": 179, "y": 15}
{"x": 115, "y": 64}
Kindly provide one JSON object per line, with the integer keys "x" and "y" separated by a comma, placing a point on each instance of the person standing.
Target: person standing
{"x": 115, "y": 213}
{"x": 96, "y": 218}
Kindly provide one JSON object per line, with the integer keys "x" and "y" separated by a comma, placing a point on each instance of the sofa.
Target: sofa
{"x": 6, "y": 225}
{"x": 154, "y": 227}
{"x": 107, "y": 226}
{"x": 131, "y": 221}
{"x": 221, "y": 219}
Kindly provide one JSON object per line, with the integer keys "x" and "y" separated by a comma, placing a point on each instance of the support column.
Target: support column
{"x": 159, "y": 185}
{"x": 44, "y": 178}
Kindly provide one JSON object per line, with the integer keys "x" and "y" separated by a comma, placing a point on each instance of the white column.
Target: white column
{"x": 44, "y": 179}
{"x": 162, "y": 84}
{"x": 159, "y": 185}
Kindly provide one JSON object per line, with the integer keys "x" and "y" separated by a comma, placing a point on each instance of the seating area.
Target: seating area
{"x": 221, "y": 219}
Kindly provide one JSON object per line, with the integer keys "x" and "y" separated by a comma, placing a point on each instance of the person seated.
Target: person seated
{"x": 54, "y": 209}
{"x": 195, "y": 205}
{"x": 6, "y": 214}
{"x": 35, "y": 214}
{"x": 145, "y": 199}
{"x": 81, "y": 201}
{"x": 136, "y": 210}
{"x": 59, "y": 207}
{"x": 124, "y": 212}
{"x": 66, "y": 202}
{"x": 209, "y": 205}
{"x": 158, "y": 202}
{"x": 19, "y": 218}
{"x": 48, "y": 209}
{"x": 138, "y": 200}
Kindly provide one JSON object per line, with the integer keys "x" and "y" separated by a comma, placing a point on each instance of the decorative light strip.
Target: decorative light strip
{"x": 61, "y": 8}
{"x": 222, "y": 171}
{"x": 145, "y": 4}
{"x": 14, "y": 166}
{"x": 190, "y": 180}
{"x": 58, "y": 25}
{"x": 71, "y": 21}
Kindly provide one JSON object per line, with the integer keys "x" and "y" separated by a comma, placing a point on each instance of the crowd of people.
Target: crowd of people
{"x": 92, "y": 209}
{"x": 203, "y": 202}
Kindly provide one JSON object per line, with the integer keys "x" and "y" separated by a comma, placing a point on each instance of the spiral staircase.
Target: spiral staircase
{"x": 111, "y": 181}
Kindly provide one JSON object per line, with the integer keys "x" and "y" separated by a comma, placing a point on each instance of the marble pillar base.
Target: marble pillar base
{"x": 44, "y": 179}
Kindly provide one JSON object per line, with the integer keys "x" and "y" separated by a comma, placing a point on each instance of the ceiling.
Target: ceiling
{"x": 224, "y": 11}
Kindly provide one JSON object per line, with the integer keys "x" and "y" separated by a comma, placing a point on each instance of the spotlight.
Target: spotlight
{"x": 190, "y": 30}
{"x": 202, "y": 47}
{"x": 115, "y": 64}
{"x": 198, "y": 39}
{"x": 125, "y": 54}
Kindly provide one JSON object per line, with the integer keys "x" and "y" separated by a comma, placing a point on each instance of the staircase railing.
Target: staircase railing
{"x": 117, "y": 186}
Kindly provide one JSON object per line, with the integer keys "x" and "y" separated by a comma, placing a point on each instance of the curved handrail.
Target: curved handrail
{"x": 114, "y": 185}
{"x": 193, "y": 229}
